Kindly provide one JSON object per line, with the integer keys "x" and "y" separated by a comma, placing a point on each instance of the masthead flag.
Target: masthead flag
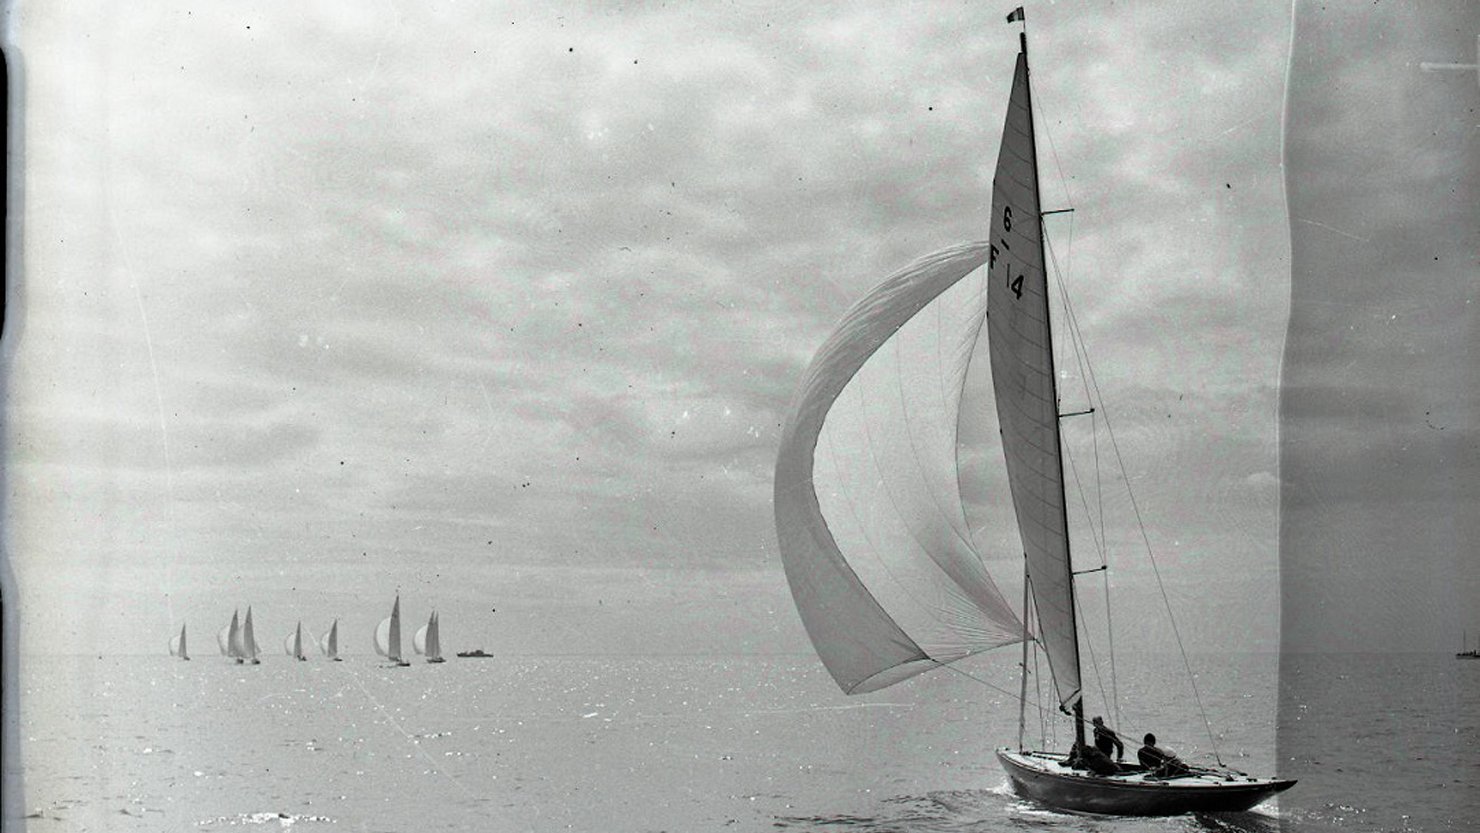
{"x": 1017, "y": 14}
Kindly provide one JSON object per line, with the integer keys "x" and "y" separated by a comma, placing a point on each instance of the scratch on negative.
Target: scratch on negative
{"x": 1332, "y": 228}
{"x": 164, "y": 431}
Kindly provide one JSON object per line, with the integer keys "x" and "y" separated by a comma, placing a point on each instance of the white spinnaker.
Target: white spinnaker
{"x": 873, "y": 536}
{"x": 382, "y": 637}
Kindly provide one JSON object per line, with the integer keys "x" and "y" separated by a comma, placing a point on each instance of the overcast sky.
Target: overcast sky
{"x": 1380, "y": 441}
{"x": 503, "y": 306}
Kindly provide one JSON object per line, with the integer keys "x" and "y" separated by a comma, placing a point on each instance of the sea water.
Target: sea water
{"x": 676, "y": 743}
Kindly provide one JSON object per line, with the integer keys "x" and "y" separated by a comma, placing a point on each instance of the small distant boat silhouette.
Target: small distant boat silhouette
{"x": 1466, "y": 652}
{"x": 474, "y": 654}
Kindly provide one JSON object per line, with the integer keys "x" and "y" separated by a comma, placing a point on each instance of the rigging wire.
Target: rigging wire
{"x": 1081, "y": 357}
{"x": 992, "y": 686}
{"x": 1110, "y": 638}
{"x": 1101, "y": 541}
{"x": 1094, "y": 662}
{"x": 1145, "y": 539}
{"x": 1045, "y": 725}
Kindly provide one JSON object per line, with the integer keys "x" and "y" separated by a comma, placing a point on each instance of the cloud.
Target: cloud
{"x": 409, "y": 286}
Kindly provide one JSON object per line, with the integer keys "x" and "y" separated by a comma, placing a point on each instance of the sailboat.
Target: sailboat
{"x": 428, "y": 639}
{"x": 234, "y": 646}
{"x": 881, "y": 560}
{"x": 250, "y": 648}
{"x": 177, "y": 645}
{"x": 388, "y": 636}
{"x": 1465, "y": 651}
{"x": 293, "y": 643}
{"x": 329, "y": 642}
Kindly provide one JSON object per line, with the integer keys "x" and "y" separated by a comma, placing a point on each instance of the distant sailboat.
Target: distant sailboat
{"x": 293, "y": 643}
{"x": 388, "y": 635}
{"x": 250, "y": 648}
{"x": 1465, "y": 651}
{"x": 329, "y": 643}
{"x": 434, "y": 639}
{"x": 234, "y": 647}
{"x": 177, "y": 645}
{"x": 428, "y": 639}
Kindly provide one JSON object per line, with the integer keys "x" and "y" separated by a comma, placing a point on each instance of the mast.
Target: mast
{"x": 1023, "y": 689}
{"x": 1053, "y": 382}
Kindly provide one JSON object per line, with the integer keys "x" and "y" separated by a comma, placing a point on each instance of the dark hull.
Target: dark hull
{"x": 1040, "y": 778}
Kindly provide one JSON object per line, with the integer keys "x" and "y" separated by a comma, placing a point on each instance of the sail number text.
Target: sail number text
{"x": 1014, "y": 284}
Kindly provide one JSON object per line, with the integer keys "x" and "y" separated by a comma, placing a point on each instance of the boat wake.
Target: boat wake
{"x": 283, "y": 820}
{"x": 941, "y": 811}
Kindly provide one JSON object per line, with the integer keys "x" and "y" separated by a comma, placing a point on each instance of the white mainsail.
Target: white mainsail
{"x": 1021, "y": 352}
{"x": 434, "y": 638}
{"x": 293, "y": 643}
{"x": 250, "y": 648}
{"x": 177, "y": 645}
{"x": 388, "y": 634}
{"x": 329, "y": 643}
{"x": 234, "y": 647}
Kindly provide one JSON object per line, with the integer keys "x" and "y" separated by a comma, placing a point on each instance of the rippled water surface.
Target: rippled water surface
{"x": 603, "y": 744}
